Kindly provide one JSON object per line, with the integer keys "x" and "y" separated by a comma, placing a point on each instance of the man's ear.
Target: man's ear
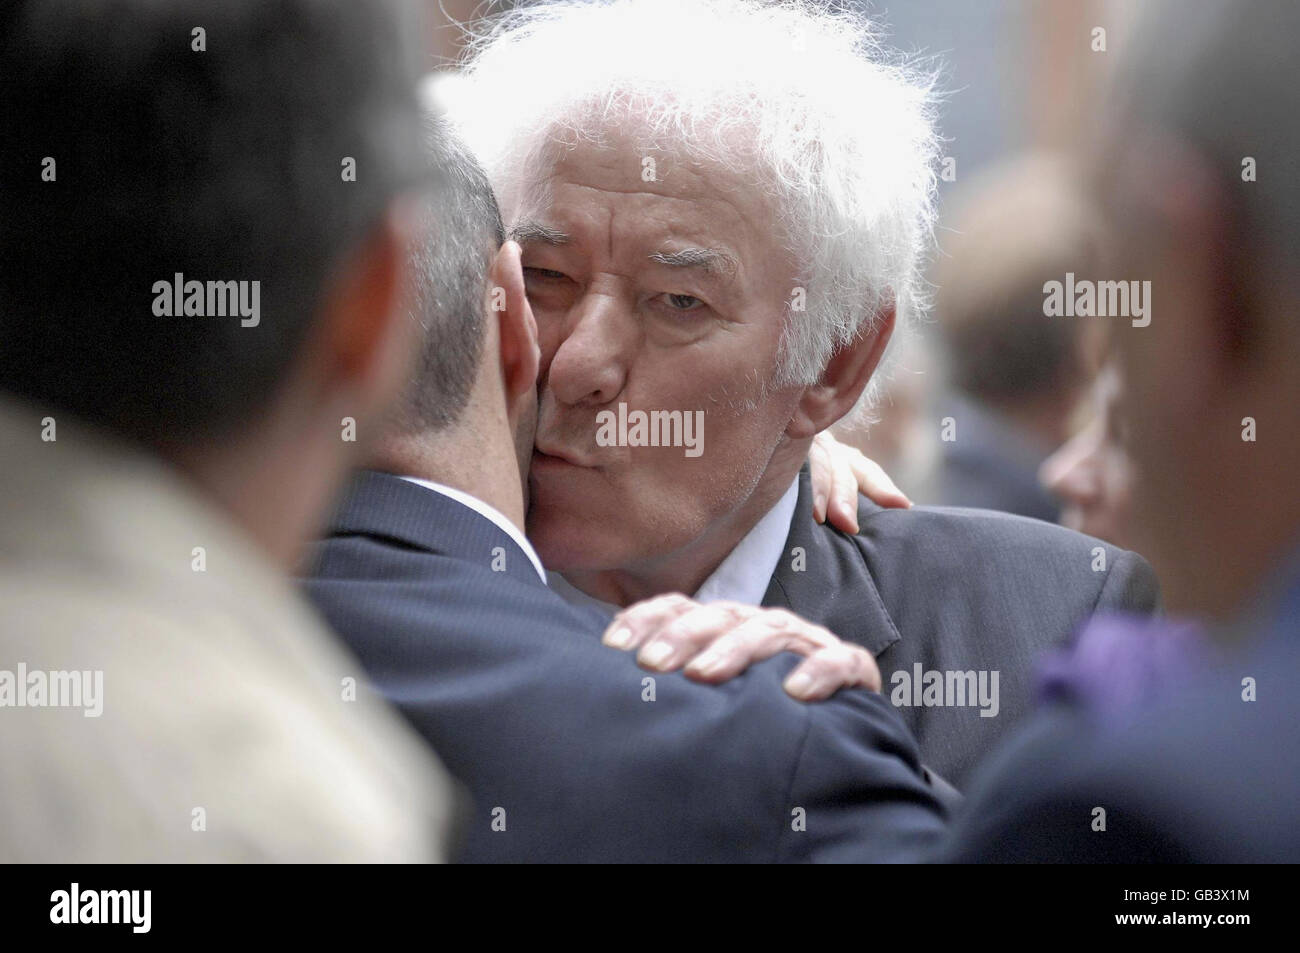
{"x": 367, "y": 341}
{"x": 516, "y": 328}
{"x": 844, "y": 379}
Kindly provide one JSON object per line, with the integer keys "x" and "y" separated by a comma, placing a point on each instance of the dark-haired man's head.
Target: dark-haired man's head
{"x": 470, "y": 405}
{"x": 450, "y": 264}
{"x": 204, "y": 221}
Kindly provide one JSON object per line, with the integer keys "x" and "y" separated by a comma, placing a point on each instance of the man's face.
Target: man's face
{"x": 661, "y": 295}
{"x": 1166, "y": 434}
{"x": 1090, "y": 472}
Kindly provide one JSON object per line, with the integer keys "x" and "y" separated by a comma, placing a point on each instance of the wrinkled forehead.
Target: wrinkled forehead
{"x": 625, "y": 148}
{"x": 662, "y": 187}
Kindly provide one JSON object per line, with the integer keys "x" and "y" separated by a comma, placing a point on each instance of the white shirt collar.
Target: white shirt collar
{"x": 487, "y": 511}
{"x": 742, "y": 577}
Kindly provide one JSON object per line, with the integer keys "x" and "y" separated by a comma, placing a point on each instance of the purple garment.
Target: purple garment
{"x": 1122, "y": 662}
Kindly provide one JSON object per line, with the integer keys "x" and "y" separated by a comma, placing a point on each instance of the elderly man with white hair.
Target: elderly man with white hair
{"x": 723, "y": 208}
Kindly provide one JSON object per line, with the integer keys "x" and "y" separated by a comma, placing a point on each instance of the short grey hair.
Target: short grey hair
{"x": 800, "y": 94}
{"x": 460, "y": 236}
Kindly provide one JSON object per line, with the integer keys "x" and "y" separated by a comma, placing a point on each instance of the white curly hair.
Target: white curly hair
{"x": 799, "y": 95}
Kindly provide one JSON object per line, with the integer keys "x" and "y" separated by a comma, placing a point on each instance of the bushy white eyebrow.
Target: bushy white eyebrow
{"x": 713, "y": 260}
{"x": 537, "y": 232}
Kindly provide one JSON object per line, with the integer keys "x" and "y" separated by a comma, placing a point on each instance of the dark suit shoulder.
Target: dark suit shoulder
{"x": 1207, "y": 774}
{"x": 592, "y": 757}
{"x": 965, "y": 532}
{"x": 1014, "y": 553}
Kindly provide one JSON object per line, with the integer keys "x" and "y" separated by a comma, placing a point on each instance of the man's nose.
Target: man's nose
{"x": 1071, "y": 472}
{"x": 589, "y": 366}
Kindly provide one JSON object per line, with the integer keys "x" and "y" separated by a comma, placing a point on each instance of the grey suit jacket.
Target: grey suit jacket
{"x": 968, "y": 594}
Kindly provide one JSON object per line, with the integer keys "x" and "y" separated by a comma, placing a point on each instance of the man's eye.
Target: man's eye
{"x": 545, "y": 273}
{"x": 682, "y": 302}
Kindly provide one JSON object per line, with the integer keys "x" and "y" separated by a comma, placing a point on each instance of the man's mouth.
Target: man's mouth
{"x": 551, "y": 456}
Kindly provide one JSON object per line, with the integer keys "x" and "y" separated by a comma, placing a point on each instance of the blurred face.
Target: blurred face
{"x": 1171, "y": 432}
{"x": 666, "y": 295}
{"x": 1090, "y": 473}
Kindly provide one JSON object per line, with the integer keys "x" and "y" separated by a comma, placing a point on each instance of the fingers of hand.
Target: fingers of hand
{"x": 631, "y": 627}
{"x": 831, "y": 668}
{"x": 754, "y": 639}
{"x": 872, "y": 479}
{"x": 821, "y": 472}
{"x": 682, "y": 638}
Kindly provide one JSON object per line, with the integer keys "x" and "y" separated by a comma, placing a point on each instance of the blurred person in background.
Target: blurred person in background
{"x": 165, "y": 695}
{"x": 896, "y": 435}
{"x": 1013, "y": 376}
{"x": 1180, "y": 741}
{"x": 1091, "y": 473}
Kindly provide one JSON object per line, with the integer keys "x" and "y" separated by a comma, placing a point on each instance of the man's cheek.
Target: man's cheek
{"x": 525, "y": 435}
{"x": 549, "y": 327}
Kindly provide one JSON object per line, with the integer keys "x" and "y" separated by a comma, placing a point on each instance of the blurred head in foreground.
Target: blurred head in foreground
{"x": 1195, "y": 177}
{"x": 189, "y": 264}
{"x": 1181, "y": 749}
{"x": 203, "y": 224}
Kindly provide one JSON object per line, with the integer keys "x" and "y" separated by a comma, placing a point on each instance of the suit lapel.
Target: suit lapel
{"x": 824, "y": 577}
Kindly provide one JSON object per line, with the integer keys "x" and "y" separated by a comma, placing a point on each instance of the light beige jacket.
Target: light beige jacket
{"x": 227, "y": 732}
